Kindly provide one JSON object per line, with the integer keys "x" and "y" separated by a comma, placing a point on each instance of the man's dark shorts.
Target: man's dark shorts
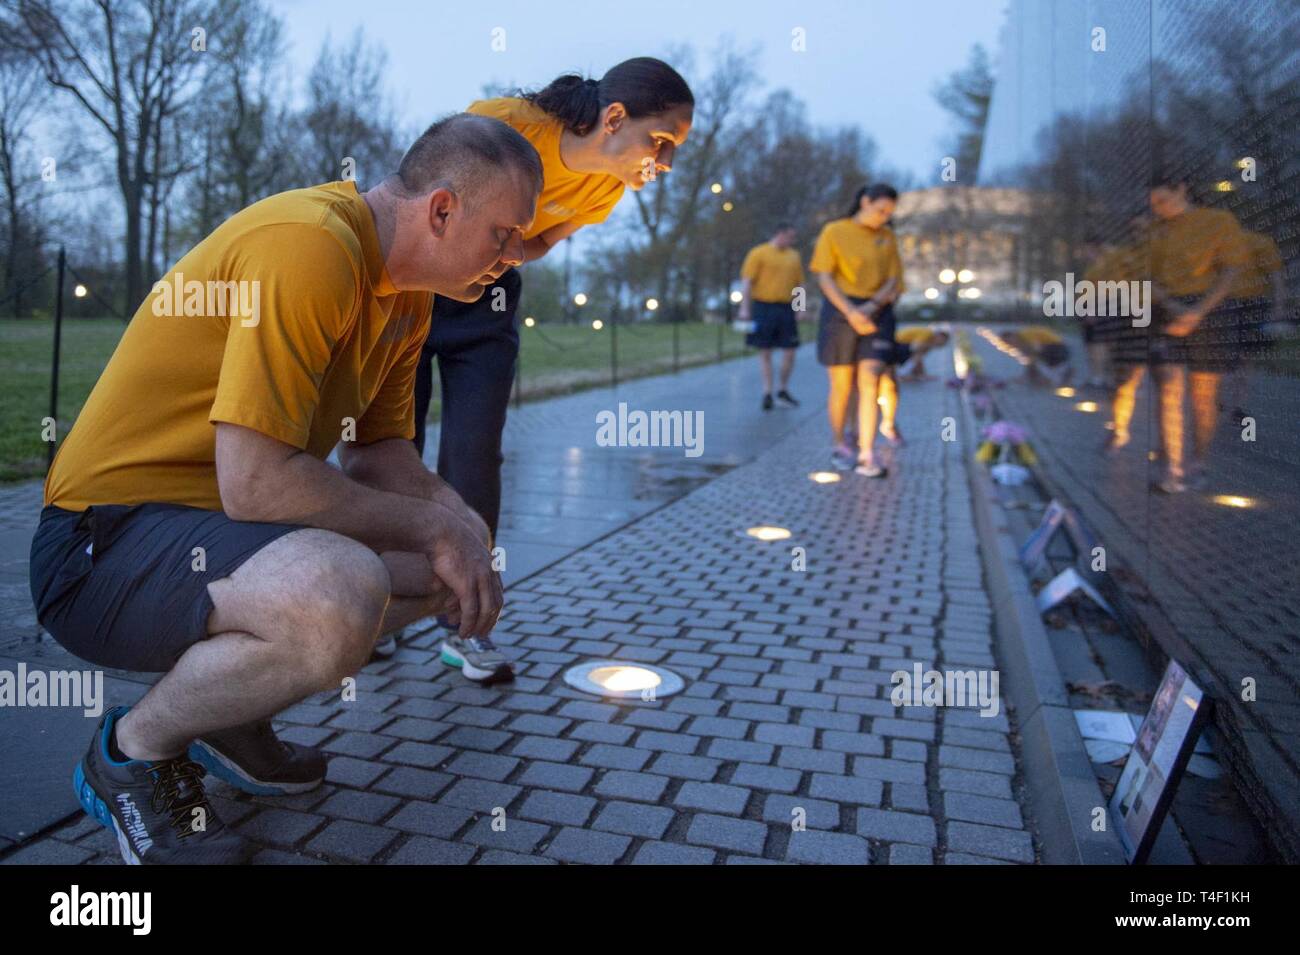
{"x": 1053, "y": 353}
{"x": 774, "y": 326}
{"x": 839, "y": 344}
{"x": 124, "y": 586}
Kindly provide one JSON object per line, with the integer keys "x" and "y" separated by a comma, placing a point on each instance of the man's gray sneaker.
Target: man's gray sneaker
{"x": 253, "y": 759}
{"x": 157, "y": 808}
{"x": 478, "y": 659}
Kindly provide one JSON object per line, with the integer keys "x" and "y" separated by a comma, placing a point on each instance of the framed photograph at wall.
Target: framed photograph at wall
{"x": 1156, "y": 761}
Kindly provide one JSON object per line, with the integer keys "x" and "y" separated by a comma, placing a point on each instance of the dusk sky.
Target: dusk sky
{"x": 868, "y": 62}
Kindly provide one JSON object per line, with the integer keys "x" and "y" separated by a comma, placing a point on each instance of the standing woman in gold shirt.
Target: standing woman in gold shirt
{"x": 596, "y": 138}
{"x": 860, "y": 273}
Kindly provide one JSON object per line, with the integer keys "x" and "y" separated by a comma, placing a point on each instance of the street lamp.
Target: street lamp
{"x": 651, "y": 304}
{"x": 715, "y": 188}
{"x": 80, "y": 291}
{"x": 597, "y": 324}
{"x": 947, "y": 276}
{"x": 727, "y": 206}
{"x": 580, "y": 299}
{"x": 965, "y": 275}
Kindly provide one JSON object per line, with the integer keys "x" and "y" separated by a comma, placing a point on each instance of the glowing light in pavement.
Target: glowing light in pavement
{"x": 1233, "y": 500}
{"x": 766, "y": 532}
{"x": 625, "y": 678}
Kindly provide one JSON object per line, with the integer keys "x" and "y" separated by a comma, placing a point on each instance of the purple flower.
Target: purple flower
{"x": 1005, "y": 432}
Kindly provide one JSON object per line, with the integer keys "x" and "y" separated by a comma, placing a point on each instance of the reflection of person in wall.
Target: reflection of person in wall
{"x": 1258, "y": 299}
{"x": 1049, "y": 356}
{"x": 1197, "y": 255}
{"x": 1125, "y": 345}
{"x": 1106, "y": 262}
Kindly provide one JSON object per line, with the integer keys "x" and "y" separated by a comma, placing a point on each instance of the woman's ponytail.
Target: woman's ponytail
{"x": 645, "y": 86}
{"x": 575, "y": 102}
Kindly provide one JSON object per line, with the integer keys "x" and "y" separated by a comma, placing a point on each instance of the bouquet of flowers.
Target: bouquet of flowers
{"x": 1006, "y": 443}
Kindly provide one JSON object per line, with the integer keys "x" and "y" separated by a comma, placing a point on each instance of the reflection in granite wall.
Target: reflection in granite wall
{"x": 1158, "y": 141}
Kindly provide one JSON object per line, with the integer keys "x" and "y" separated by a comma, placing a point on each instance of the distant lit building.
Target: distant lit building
{"x": 947, "y": 229}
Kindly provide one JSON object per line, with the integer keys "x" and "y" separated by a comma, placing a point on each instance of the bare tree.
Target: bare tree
{"x": 131, "y": 65}
{"x": 348, "y": 116}
{"x": 238, "y": 146}
{"x": 22, "y": 97}
{"x": 671, "y": 209}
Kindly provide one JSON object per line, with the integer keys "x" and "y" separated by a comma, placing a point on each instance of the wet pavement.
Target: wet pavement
{"x": 560, "y": 493}
{"x": 784, "y": 745}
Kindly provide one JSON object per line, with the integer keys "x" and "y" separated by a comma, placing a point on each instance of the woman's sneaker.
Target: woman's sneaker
{"x": 842, "y": 457}
{"x": 1117, "y": 442}
{"x": 254, "y": 759}
{"x": 1169, "y": 485}
{"x": 892, "y": 435}
{"x": 157, "y": 808}
{"x": 869, "y": 469}
{"x": 478, "y": 659}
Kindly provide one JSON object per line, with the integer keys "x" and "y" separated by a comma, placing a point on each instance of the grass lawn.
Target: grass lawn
{"x": 26, "y": 347}
{"x": 558, "y": 358}
{"x": 554, "y": 359}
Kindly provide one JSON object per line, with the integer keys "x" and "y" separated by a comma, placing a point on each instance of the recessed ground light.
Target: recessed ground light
{"x": 1086, "y": 406}
{"x": 766, "y": 532}
{"x": 1066, "y": 392}
{"x": 1233, "y": 500}
{"x": 619, "y": 680}
{"x": 824, "y": 477}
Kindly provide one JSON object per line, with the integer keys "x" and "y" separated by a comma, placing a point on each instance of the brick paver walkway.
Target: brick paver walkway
{"x": 786, "y": 712}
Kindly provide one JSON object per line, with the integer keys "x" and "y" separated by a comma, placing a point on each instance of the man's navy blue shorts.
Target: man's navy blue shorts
{"x": 123, "y": 586}
{"x": 774, "y": 326}
{"x": 839, "y": 344}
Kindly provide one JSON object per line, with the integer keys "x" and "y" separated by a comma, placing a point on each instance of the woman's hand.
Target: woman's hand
{"x": 1184, "y": 324}
{"x": 861, "y": 321}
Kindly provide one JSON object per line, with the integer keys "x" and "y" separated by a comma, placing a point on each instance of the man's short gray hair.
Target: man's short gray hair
{"x": 465, "y": 153}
